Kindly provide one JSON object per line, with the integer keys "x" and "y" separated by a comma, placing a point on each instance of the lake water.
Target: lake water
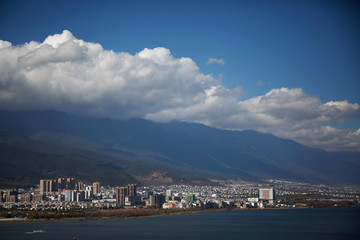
{"x": 333, "y": 223}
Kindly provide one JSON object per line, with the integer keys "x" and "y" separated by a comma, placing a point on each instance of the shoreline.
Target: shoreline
{"x": 129, "y": 214}
{"x": 137, "y": 213}
{"x": 115, "y": 214}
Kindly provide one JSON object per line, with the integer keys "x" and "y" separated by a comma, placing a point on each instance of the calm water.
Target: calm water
{"x": 335, "y": 223}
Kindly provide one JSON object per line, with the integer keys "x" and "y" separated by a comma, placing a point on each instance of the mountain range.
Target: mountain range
{"x": 46, "y": 144}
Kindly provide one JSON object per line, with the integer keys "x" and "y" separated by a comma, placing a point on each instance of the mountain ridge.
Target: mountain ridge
{"x": 188, "y": 147}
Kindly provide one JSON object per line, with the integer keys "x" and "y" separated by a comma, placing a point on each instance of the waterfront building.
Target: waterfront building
{"x": 121, "y": 192}
{"x": 152, "y": 201}
{"x": 132, "y": 200}
{"x": 159, "y": 200}
{"x": 267, "y": 194}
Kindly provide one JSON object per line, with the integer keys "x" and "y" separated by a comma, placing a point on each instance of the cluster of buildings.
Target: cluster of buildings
{"x": 61, "y": 189}
{"x": 67, "y": 193}
{"x": 126, "y": 196}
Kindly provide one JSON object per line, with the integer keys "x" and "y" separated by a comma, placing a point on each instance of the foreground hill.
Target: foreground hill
{"x": 176, "y": 148}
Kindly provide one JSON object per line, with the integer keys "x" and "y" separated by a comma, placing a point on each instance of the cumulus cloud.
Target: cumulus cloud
{"x": 68, "y": 74}
{"x": 219, "y": 61}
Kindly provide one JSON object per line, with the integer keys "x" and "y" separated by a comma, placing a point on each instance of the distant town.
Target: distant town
{"x": 68, "y": 195}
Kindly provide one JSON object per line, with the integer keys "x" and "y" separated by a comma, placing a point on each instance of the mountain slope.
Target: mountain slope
{"x": 192, "y": 148}
{"x": 24, "y": 161}
{"x": 20, "y": 167}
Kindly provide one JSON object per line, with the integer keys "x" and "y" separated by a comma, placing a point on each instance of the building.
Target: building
{"x": 80, "y": 196}
{"x": 159, "y": 200}
{"x": 132, "y": 200}
{"x": 42, "y": 186}
{"x": 88, "y": 192}
{"x": 25, "y": 197}
{"x": 48, "y": 185}
{"x": 152, "y": 201}
{"x": 80, "y": 186}
{"x": 70, "y": 196}
{"x": 131, "y": 190}
{"x": 96, "y": 188}
{"x": 267, "y": 194}
{"x": 121, "y": 192}
{"x": 38, "y": 198}
{"x": 61, "y": 184}
{"x": 52, "y": 185}
{"x": 56, "y": 185}
{"x": 190, "y": 198}
{"x": 70, "y": 183}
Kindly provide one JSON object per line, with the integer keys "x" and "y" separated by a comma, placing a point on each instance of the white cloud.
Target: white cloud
{"x": 67, "y": 74}
{"x": 219, "y": 61}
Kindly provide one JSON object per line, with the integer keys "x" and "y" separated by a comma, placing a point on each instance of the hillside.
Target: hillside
{"x": 20, "y": 167}
{"x": 185, "y": 150}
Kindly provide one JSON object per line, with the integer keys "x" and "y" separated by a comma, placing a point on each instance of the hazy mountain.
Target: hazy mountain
{"x": 184, "y": 150}
{"x": 24, "y": 162}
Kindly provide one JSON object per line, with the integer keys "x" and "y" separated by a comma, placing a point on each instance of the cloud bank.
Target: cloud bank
{"x": 68, "y": 74}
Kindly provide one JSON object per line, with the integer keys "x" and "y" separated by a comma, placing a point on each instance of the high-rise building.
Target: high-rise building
{"x": 80, "y": 196}
{"x": 70, "y": 195}
{"x": 121, "y": 192}
{"x": 42, "y": 186}
{"x": 88, "y": 192}
{"x": 156, "y": 200}
{"x": 48, "y": 185}
{"x": 38, "y": 198}
{"x": 267, "y": 194}
{"x": 53, "y": 185}
{"x": 159, "y": 200}
{"x": 131, "y": 190}
{"x": 128, "y": 191}
{"x": 61, "y": 184}
{"x": 152, "y": 201}
{"x": 168, "y": 193}
{"x": 96, "y": 188}
{"x": 80, "y": 186}
{"x": 190, "y": 197}
{"x": 70, "y": 183}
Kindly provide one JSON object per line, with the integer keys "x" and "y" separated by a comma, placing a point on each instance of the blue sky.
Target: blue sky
{"x": 312, "y": 45}
{"x": 309, "y": 44}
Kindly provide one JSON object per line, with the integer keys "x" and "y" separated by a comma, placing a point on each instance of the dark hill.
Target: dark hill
{"x": 192, "y": 148}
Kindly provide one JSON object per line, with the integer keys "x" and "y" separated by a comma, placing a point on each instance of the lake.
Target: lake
{"x": 329, "y": 223}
